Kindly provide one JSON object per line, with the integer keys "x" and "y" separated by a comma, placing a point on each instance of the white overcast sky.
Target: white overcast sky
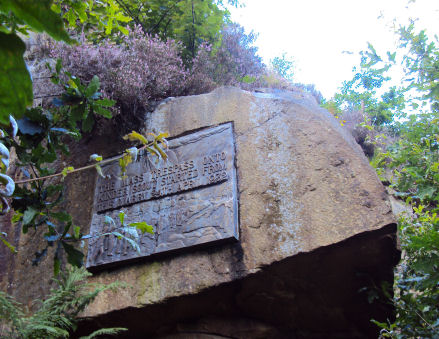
{"x": 318, "y": 33}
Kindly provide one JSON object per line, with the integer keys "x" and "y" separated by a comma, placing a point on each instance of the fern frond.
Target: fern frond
{"x": 36, "y": 331}
{"x": 105, "y": 331}
{"x": 56, "y": 315}
{"x": 11, "y": 314}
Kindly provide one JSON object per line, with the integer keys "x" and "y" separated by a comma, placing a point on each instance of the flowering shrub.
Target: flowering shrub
{"x": 143, "y": 69}
{"x": 140, "y": 69}
{"x": 236, "y": 59}
{"x": 150, "y": 68}
{"x": 201, "y": 79}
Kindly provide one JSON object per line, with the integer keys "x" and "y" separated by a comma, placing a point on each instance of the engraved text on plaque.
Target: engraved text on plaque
{"x": 190, "y": 199}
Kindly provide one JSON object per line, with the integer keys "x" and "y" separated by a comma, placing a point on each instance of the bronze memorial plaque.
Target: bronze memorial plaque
{"x": 190, "y": 199}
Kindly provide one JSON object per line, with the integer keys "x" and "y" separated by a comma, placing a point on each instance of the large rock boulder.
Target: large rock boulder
{"x": 316, "y": 232}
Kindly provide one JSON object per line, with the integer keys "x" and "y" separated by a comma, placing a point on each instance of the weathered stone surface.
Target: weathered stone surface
{"x": 310, "y": 295}
{"x": 305, "y": 192}
{"x": 303, "y": 183}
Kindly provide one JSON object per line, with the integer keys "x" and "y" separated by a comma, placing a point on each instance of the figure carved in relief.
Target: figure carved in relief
{"x": 105, "y": 243}
{"x": 98, "y": 252}
{"x": 108, "y": 241}
{"x": 122, "y": 245}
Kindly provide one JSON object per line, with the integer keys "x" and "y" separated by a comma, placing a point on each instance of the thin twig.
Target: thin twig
{"x": 151, "y": 30}
{"x": 47, "y": 96}
{"x": 36, "y": 176}
{"x": 429, "y": 325}
{"x": 40, "y": 78}
{"x": 80, "y": 168}
{"x": 131, "y": 14}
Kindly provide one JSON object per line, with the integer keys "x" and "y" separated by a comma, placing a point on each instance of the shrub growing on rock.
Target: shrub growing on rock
{"x": 144, "y": 69}
{"x": 236, "y": 59}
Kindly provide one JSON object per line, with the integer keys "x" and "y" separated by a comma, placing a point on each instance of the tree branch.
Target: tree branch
{"x": 131, "y": 15}
{"x": 151, "y": 30}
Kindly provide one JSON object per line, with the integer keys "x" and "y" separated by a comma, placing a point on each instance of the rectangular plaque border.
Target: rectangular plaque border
{"x": 192, "y": 248}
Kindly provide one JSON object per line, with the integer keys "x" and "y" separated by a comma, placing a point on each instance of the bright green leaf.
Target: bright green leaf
{"x": 121, "y": 217}
{"x": 96, "y": 157}
{"x": 67, "y": 170}
{"x": 99, "y": 170}
{"x": 105, "y": 102}
{"x": 17, "y": 216}
{"x": 162, "y": 153}
{"x": 122, "y": 18}
{"x": 92, "y": 87}
{"x": 38, "y": 15}
{"x": 134, "y": 136}
{"x": 143, "y": 227}
{"x": 161, "y": 136}
{"x": 76, "y": 232}
{"x": 15, "y": 81}
{"x": 71, "y": 18}
{"x": 102, "y": 111}
{"x": 8, "y": 244}
{"x": 123, "y": 30}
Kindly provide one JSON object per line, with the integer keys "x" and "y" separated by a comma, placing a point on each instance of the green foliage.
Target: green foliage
{"x": 414, "y": 161}
{"x": 56, "y": 316}
{"x": 422, "y": 64}
{"x": 83, "y": 100}
{"x": 42, "y": 132}
{"x": 333, "y": 107}
{"x": 195, "y": 22}
{"x": 128, "y": 231}
{"x": 411, "y": 164}
{"x": 284, "y": 66}
{"x": 42, "y": 135}
{"x": 97, "y": 19}
{"x": 37, "y": 205}
{"x": 15, "y": 82}
{"x": 361, "y": 93}
{"x": 37, "y": 15}
{"x": 101, "y": 18}
{"x": 191, "y": 22}
{"x": 418, "y": 280}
